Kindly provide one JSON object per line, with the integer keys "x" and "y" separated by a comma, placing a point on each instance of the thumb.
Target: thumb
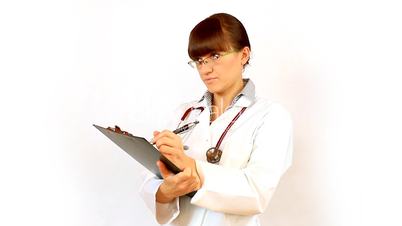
{"x": 163, "y": 169}
{"x": 155, "y": 133}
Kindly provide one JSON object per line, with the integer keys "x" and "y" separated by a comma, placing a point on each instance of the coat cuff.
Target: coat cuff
{"x": 167, "y": 212}
{"x": 163, "y": 212}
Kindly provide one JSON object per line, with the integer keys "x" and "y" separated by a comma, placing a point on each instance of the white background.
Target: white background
{"x": 64, "y": 65}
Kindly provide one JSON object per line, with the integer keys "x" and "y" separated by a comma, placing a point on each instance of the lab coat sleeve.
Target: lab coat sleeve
{"x": 248, "y": 191}
{"x": 164, "y": 212}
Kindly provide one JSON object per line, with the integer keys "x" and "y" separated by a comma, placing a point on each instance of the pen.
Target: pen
{"x": 185, "y": 127}
{"x": 181, "y": 129}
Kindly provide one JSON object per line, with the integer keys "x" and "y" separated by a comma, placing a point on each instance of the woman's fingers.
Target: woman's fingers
{"x": 163, "y": 169}
{"x": 168, "y": 151}
{"x": 167, "y": 138}
{"x": 190, "y": 183}
{"x": 181, "y": 183}
{"x": 165, "y": 141}
{"x": 185, "y": 175}
{"x": 164, "y": 133}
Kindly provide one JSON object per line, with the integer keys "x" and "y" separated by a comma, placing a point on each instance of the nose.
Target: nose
{"x": 205, "y": 69}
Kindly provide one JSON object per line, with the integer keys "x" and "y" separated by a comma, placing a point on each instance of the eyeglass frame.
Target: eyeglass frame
{"x": 196, "y": 64}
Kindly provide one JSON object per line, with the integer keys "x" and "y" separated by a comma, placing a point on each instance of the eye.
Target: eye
{"x": 215, "y": 56}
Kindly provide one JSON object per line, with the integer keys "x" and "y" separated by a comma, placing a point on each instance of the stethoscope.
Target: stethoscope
{"x": 184, "y": 117}
{"x": 187, "y": 113}
{"x": 214, "y": 153}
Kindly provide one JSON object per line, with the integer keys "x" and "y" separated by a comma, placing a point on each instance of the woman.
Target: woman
{"x": 237, "y": 147}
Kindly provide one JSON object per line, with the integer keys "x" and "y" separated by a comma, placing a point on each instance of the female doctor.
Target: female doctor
{"x": 235, "y": 147}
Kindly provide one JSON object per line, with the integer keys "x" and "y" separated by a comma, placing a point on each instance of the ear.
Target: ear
{"x": 245, "y": 56}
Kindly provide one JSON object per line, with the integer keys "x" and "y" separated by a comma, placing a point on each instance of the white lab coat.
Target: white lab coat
{"x": 257, "y": 150}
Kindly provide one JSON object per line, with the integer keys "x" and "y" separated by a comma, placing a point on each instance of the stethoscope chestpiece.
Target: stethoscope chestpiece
{"x": 213, "y": 155}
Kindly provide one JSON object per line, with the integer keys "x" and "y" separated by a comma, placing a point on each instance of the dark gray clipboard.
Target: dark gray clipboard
{"x": 141, "y": 150}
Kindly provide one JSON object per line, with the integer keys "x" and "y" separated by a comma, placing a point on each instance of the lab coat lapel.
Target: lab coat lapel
{"x": 200, "y": 136}
{"x": 242, "y": 102}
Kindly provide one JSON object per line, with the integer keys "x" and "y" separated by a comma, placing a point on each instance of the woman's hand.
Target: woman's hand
{"x": 171, "y": 146}
{"x": 176, "y": 185}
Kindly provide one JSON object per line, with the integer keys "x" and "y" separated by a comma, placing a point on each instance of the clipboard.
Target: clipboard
{"x": 140, "y": 149}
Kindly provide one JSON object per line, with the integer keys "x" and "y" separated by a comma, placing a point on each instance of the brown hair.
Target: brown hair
{"x": 219, "y": 32}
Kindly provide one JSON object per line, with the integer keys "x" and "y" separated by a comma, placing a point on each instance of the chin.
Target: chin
{"x": 213, "y": 88}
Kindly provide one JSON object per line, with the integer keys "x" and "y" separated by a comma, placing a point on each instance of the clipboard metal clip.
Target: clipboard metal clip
{"x": 117, "y": 129}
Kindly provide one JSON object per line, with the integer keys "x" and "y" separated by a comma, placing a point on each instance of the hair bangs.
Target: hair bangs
{"x": 207, "y": 37}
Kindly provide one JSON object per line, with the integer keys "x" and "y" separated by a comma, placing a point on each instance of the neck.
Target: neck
{"x": 221, "y": 101}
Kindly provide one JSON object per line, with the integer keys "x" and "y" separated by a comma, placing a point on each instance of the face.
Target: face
{"x": 225, "y": 73}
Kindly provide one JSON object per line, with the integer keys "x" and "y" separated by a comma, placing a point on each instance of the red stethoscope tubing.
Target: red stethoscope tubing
{"x": 214, "y": 154}
{"x": 189, "y": 110}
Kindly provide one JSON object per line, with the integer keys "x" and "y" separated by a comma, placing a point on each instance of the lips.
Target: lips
{"x": 210, "y": 80}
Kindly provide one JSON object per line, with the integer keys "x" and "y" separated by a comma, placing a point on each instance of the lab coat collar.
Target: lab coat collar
{"x": 244, "y": 99}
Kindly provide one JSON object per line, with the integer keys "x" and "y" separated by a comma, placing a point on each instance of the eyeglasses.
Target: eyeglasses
{"x": 211, "y": 60}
